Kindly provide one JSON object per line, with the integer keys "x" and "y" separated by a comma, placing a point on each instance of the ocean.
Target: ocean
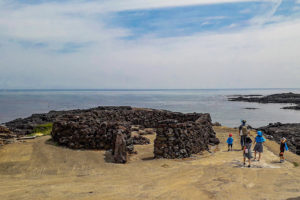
{"x": 22, "y": 103}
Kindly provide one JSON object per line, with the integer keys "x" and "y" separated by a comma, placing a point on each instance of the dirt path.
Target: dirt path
{"x": 38, "y": 169}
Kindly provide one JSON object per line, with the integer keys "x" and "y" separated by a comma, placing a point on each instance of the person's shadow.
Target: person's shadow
{"x": 108, "y": 157}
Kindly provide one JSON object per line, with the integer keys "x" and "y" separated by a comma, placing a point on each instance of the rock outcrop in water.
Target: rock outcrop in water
{"x": 297, "y": 107}
{"x": 290, "y": 131}
{"x": 274, "y": 98}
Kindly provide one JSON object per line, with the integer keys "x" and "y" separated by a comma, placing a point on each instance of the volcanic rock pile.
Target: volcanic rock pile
{"x": 290, "y": 131}
{"x": 138, "y": 139}
{"x": 97, "y": 128}
{"x": 180, "y": 140}
{"x": 25, "y": 126}
{"x": 6, "y": 136}
{"x": 88, "y": 133}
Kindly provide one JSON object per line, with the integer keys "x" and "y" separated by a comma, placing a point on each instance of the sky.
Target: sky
{"x": 149, "y": 44}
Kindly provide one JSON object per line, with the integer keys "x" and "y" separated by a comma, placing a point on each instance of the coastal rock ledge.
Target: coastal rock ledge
{"x": 287, "y": 98}
{"x": 275, "y": 131}
{"x": 178, "y": 135}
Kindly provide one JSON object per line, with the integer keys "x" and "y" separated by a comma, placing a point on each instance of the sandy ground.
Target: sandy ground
{"x": 38, "y": 169}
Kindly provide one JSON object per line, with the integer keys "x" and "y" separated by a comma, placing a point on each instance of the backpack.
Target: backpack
{"x": 244, "y": 130}
{"x": 286, "y": 147}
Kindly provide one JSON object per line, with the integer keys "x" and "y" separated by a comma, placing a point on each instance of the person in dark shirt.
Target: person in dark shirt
{"x": 247, "y": 151}
{"x": 243, "y": 132}
{"x": 283, "y": 147}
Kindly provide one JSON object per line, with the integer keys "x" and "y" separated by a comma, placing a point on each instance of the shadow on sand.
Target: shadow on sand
{"x": 296, "y": 198}
{"x": 51, "y": 142}
{"x": 108, "y": 157}
{"x": 232, "y": 150}
{"x": 148, "y": 158}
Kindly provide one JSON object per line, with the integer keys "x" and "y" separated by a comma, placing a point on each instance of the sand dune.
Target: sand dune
{"x": 38, "y": 169}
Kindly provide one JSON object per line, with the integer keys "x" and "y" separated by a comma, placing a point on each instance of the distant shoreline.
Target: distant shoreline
{"x": 21, "y": 104}
{"x": 287, "y": 98}
{"x": 143, "y": 89}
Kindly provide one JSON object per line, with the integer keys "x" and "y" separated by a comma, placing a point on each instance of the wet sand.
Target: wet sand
{"x": 38, "y": 169}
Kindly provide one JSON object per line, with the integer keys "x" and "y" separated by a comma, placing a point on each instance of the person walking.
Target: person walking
{"x": 247, "y": 151}
{"x": 243, "y": 132}
{"x": 283, "y": 147}
{"x": 259, "y": 140}
{"x": 230, "y": 142}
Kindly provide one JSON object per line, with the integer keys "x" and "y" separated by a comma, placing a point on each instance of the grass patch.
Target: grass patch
{"x": 43, "y": 129}
{"x": 296, "y": 164}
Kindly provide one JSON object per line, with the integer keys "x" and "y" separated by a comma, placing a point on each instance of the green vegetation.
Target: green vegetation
{"x": 296, "y": 164}
{"x": 43, "y": 129}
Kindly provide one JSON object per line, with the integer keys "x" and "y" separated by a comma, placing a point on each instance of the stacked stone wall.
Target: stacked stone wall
{"x": 178, "y": 135}
{"x": 181, "y": 140}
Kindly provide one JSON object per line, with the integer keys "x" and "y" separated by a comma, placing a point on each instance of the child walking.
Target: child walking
{"x": 230, "y": 142}
{"x": 247, "y": 151}
{"x": 283, "y": 147}
{"x": 259, "y": 140}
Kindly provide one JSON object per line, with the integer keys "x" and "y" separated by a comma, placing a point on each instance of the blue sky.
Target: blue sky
{"x": 187, "y": 20}
{"x": 192, "y": 19}
{"x": 117, "y": 44}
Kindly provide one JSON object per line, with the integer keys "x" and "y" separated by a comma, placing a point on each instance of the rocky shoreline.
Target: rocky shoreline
{"x": 297, "y": 107}
{"x": 275, "y": 131}
{"x": 278, "y": 130}
{"x": 77, "y": 128}
{"x": 291, "y": 98}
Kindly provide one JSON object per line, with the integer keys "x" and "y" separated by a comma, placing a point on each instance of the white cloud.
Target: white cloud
{"x": 268, "y": 16}
{"x": 254, "y": 57}
{"x": 79, "y": 21}
{"x": 142, "y": 4}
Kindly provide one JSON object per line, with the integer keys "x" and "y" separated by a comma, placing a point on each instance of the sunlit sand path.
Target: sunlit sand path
{"x": 38, "y": 169}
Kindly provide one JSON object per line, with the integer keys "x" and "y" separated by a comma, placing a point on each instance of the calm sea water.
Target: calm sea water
{"x": 23, "y": 103}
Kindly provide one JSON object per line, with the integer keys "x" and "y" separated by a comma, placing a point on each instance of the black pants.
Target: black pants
{"x": 229, "y": 145}
{"x": 243, "y": 140}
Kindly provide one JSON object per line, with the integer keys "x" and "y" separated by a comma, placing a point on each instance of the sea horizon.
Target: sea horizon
{"x": 21, "y": 103}
{"x": 138, "y": 89}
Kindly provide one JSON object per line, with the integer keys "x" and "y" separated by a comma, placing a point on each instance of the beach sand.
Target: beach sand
{"x": 38, "y": 169}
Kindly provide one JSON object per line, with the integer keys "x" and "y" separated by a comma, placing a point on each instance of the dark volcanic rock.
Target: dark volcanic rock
{"x": 290, "y": 131}
{"x": 140, "y": 140}
{"x": 23, "y": 126}
{"x": 180, "y": 140}
{"x": 275, "y": 98}
{"x": 297, "y": 107}
{"x": 249, "y": 95}
{"x": 5, "y": 130}
{"x": 250, "y": 108}
{"x": 119, "y": 151}
{"x": 217, "y": 124}
{"x": 147, "y": 118}
{"x": 6, "y": 135}
{"x": 97, "y": 128}
{"x": 88, "y": 133}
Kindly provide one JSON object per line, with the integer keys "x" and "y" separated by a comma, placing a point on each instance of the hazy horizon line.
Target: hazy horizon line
{"x": 142, "y": 89}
